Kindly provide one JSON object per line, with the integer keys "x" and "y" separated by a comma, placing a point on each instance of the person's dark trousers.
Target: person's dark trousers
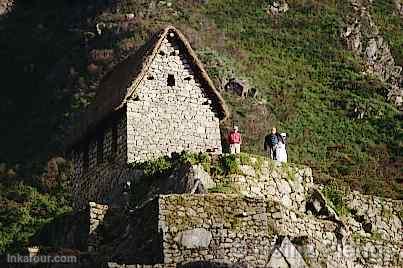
{"x": 271, "y": 152}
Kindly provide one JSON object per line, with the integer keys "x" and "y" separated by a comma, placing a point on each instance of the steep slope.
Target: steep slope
{"x": 310, "y": 85}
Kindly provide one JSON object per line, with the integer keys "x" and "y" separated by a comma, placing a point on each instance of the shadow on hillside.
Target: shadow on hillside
{"x": 39, "y": 42}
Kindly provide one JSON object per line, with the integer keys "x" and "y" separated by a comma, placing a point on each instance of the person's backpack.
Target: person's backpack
{"x": 273, "y": 139}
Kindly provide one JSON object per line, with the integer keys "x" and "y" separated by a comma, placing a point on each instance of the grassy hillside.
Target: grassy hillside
{"x": 309, "y": 84}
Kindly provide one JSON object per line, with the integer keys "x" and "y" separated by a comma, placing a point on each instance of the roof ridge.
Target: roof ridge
{"x": 119, "y": 85}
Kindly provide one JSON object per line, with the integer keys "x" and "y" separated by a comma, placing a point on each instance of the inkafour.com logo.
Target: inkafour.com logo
{"x": 40, "y": 259}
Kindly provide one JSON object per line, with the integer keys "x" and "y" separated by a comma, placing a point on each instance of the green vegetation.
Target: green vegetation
{"x": 291, "y": 174}
{"x": 376, "y": 236}
{"x": 309, "y": 86}
{"x": 314, "y": 86}
{"x": 24, "y": 210}
{"x": 229, "y": 164}
{"x": 336, "y": 195}
{"x": 391, "y": 26}
{"x": 225, "y": 187}
{"x": 159, "y": 169}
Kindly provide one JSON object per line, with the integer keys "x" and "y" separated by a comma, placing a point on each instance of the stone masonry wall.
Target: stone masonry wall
{"x": 215, "y": 228}
{"x": 97, "y": 213}
{"x": 232, "y": 229}
{"x": 286, "y": 184}
{"x": 166, "y": 118}
{"x": 375, "y": 215}
{"x": 292, "y": 187}
{"x": 101, "y": 180}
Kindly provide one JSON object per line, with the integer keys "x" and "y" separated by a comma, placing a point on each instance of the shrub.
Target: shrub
{"x": 336, "y": 195}
{"x": 230, "y": 164}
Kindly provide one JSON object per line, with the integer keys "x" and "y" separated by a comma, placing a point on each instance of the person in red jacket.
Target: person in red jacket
{"x": 234, "y": 139}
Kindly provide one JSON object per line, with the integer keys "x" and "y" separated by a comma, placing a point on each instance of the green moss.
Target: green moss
{"x": 376, "y": 236}
{"x": 225, "y": 187}
{"x": 291, "y": 172}
{"x": 259, "y": 163}
{"x": 236, "y": 223}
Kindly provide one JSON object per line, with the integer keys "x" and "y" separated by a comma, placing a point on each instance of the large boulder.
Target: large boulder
{"x": 195, "y": 238}
{"x": 286, "y": 255}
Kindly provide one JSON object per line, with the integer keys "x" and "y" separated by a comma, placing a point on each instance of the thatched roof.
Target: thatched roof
{"x": 121, "y": 84}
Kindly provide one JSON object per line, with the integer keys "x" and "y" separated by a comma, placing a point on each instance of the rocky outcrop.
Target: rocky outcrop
{"x": 6, "y": 6}
{"x": 399, "y": 7}
{"x": 362, "y": 36}
{"x": 277, "y": 7}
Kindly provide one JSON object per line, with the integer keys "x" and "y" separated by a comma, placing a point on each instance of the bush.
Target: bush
{"x": 336, "y": 195}
{"x": 24, "y": 210}
{"x": 230, "y": 164}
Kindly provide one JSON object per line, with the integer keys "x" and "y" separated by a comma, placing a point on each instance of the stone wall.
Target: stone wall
{"x": 232, "y": 229}
{"x": 286, "y": 184}
{"x": 102, "y": 178}
{"x": 215, "y": 228}
{"x": 293, "y": 187}
{"x": 375, "y": 215}
{"x": 277, "y": 216}
{"x": 97, "y": 214}
{"x": 165, "y": 118}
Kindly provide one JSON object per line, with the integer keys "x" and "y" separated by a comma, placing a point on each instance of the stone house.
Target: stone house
{"x": 158, "y": 101}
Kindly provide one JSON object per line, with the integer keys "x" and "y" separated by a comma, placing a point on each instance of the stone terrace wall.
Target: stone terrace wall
{"x": 292, "y": 186}
{"x": 215, "y": 228}
{"x": 97, "y": 214}
{"x": 101, "y": 180}
{"x": 164, "y": 119}
{"x": 286, "y": 184}
{"x": 378, "y": 215}
{"x": 229, "y": 228}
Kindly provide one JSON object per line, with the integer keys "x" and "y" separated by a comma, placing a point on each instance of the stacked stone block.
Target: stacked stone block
{"x": 97, "y": 213}
{"x": 229, "y": 228}
{"x": 286, "y": 184}
{"x": 164, "y": 118}
{"x": 380, "y": 215}
{"x": 99, "y": 180}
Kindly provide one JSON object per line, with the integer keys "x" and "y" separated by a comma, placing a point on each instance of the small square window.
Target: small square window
{"x": 171, "y": 80}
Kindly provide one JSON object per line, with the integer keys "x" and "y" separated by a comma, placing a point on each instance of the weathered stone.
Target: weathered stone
{"x": 277, "y": 260}
{"x": 291, "y": 254}
{"x": 362, "y": 36}
{"x": 195, "y": 238}
{"x": 277, "y": 7}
